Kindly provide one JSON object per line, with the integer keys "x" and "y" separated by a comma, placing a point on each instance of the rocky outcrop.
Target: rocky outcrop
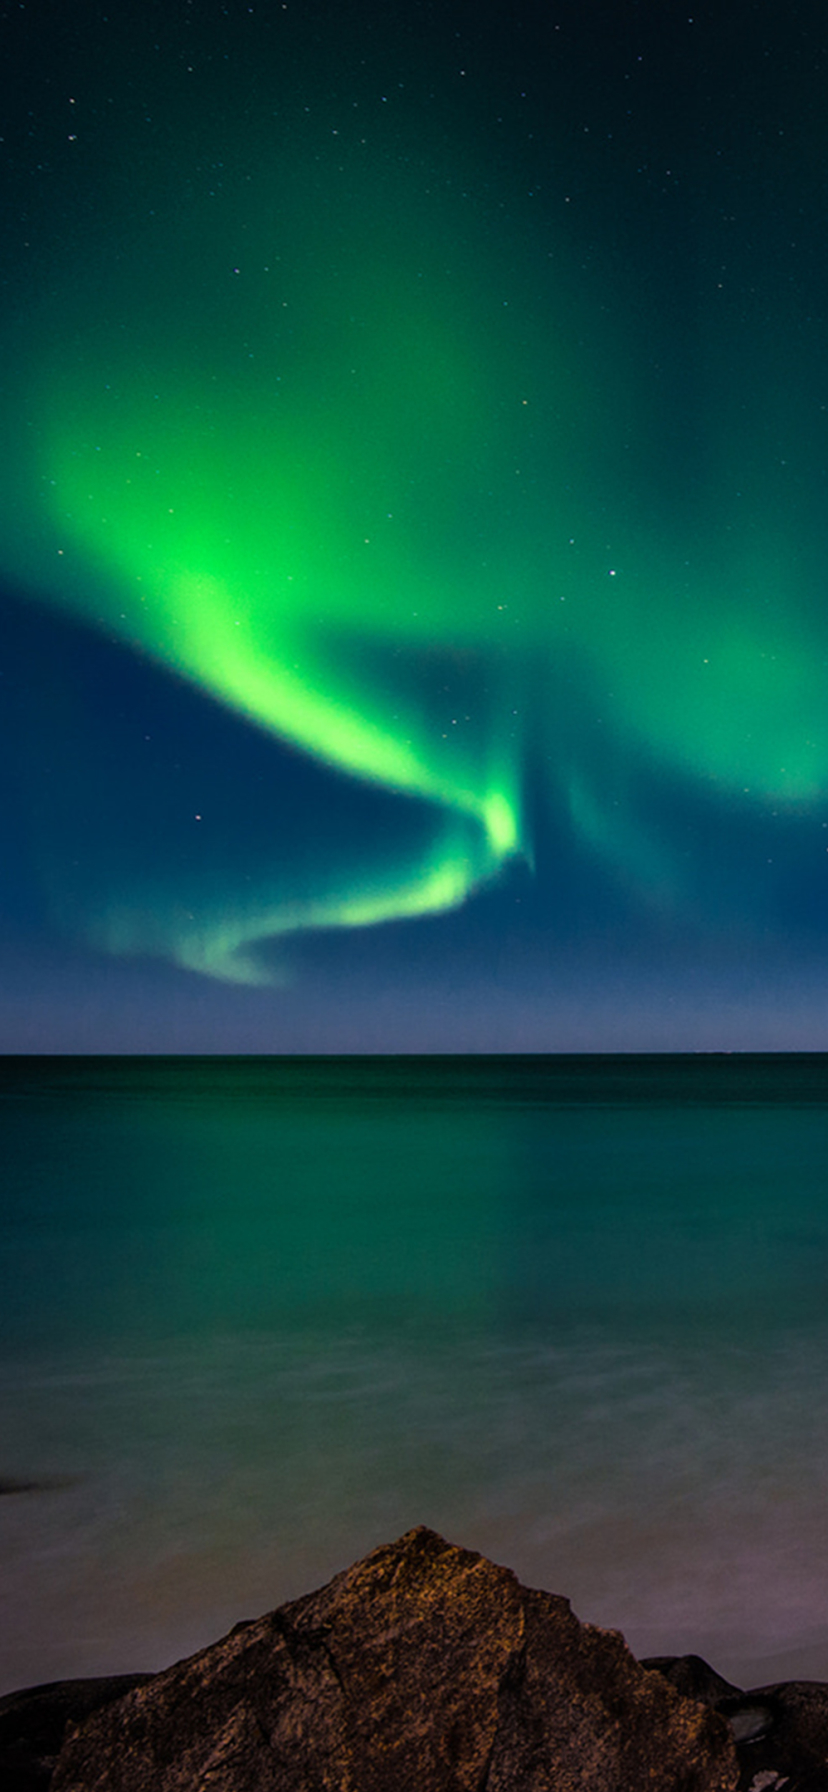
{"x": 430, "y": 1663}
{"x": 781, "y": 1732}
{"x": 33, "y": 1724}
{"x": 424, "y": 1668}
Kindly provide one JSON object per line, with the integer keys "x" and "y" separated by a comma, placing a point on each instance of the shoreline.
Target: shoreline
{"x": 447, "y": 1653}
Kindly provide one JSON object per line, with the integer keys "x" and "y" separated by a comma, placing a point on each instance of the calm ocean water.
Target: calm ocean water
{"x": 259, "y": 1315}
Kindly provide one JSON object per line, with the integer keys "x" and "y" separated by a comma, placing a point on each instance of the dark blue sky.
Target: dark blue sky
{"x": 413, "y": 631}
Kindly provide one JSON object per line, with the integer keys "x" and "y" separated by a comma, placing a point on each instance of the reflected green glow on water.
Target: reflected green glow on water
{"x": 260, "y": 1315}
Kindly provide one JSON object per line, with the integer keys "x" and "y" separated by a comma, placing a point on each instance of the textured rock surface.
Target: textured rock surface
{"x": 424, "y": 1668}
{"x": 33, "y": 1724}
{"x": 781, "y": 1732}
{"x": 694, "y": 1678}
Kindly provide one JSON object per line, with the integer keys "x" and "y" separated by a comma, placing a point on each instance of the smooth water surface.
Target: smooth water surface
{"x": 259, "y": 1315}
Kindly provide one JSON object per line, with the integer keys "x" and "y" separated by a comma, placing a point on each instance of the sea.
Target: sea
{"x": 261, "y": 1314}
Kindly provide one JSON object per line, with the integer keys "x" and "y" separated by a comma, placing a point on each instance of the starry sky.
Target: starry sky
{"x": 413, "y": 608}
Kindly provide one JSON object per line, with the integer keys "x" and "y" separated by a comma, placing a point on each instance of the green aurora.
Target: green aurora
{"x": 316, "y": 435}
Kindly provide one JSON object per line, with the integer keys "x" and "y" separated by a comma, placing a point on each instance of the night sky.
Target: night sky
{"x": 414, "y": 526}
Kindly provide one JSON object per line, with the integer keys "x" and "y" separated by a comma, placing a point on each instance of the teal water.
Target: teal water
{"x": 258, "y": 1315}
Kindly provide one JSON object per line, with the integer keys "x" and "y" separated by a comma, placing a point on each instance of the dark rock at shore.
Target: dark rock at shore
{"x": 693, "y": 1678}
{"x": 33, "y": 1724}
{"x": 781, "y": 1732}
{"x": 424, "y": 1668}
{"x": 46, "y": 1484}
{"x": 794, "y": 1742}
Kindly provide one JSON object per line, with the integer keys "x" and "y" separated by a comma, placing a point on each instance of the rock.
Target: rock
{"x": 792, "y": 1742}
{"x": 424, "y": 1668}
{"x": 46, "y": 1484}
{"x": 780, "y": 1732}
{"x": 693, "y": 1678}
{"x": 33, "y": 1723}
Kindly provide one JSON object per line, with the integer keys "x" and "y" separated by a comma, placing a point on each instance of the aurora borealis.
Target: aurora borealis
{"x": 414, "y": 523}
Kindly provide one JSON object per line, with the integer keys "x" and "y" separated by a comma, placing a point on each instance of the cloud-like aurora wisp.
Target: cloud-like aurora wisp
{"x": 248, "y": 523}
{"x": 356, "y": 445}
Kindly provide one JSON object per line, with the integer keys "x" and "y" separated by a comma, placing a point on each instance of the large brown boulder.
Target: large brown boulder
{"x": 424, "y": 1668}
